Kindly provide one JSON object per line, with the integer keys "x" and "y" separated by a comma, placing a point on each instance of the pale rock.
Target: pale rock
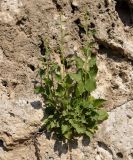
{"x": 23, "y": 27}
{"x": 9, "y": 8}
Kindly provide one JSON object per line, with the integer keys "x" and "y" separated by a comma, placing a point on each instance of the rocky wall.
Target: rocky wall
{"x": 24, "y": 24}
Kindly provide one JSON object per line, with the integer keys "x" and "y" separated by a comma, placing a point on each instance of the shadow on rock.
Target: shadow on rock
{"x": 63, "y": 147}
{"x": 36, "y": 104}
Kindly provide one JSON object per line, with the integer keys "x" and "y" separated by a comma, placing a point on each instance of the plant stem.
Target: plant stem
{"x": 70, "y": 151}
{"x": 62, "y": 47}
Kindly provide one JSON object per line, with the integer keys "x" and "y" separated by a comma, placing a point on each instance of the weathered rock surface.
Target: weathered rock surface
{"x": 113, "y": 141}
{"x": 23, "y": 26}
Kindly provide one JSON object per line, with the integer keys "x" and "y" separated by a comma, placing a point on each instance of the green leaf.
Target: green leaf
{"x": 41, "y": 72}
{"x": 90, "y": 84}
{"x": 48, "y": 119}
{"x": 39, "y": 90}
{"x": 93, "y": 71}
{"x": 54, "y": 66}
{"x": 65, "y": 128}
{"x": 64, "y": 113}
{"x": 58, "y": 77}
{"x": 68, "y": 135}
{"x": 102, "y": 115}
{"x": 77, "y": 112}
{"x": 80, "y": 129}
{"x": 79, "y": 62}
{"x": 60, "y": 91}
{"x": 83, "y": 119}
{"x": 53, "y": 124}
{"x": 98, "y": 102}
{"x": 92, "y": 61}
{"x": 86, "y": 51}
{"x": 48, "y": 81}
{"x": 75, "y": 76}
{"x": 91, "y": 99}
{"x": 80, "y": 88}
{"x": 45, "y": 121}
{"x": 68, "y": 80}
{"x": 89, "y": 134}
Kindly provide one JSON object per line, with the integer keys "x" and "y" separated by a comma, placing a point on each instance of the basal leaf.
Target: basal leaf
{"x": 65, "y": 128}
{"x": 79, "y": 129}
{"x": 102, "y": 115}
{"x": 91, "y": 99}
{"x": 68, "y": 135}
{"x": 52, "y": 124}
{"x": 83, "y": 119}
{"x": 99, "y": 102}
{"x": 89, "y": 134}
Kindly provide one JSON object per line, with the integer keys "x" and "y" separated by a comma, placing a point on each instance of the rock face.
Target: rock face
{"x": 23, "y": 27}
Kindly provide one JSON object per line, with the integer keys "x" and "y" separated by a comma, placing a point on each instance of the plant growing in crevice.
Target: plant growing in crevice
{"x": 66, "y": 86}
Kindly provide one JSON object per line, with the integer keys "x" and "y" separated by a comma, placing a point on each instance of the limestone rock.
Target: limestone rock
{"x": 115, "y": 135}
{"x": 9, "y": 9}
{"x": 23, "y": 27}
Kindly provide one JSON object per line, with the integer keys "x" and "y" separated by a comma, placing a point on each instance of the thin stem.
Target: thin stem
{"x": 70, "y": 151}
{"x": 62, "y": 47}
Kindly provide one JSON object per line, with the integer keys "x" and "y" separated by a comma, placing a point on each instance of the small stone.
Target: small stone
{"x": 75, "y": 3}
